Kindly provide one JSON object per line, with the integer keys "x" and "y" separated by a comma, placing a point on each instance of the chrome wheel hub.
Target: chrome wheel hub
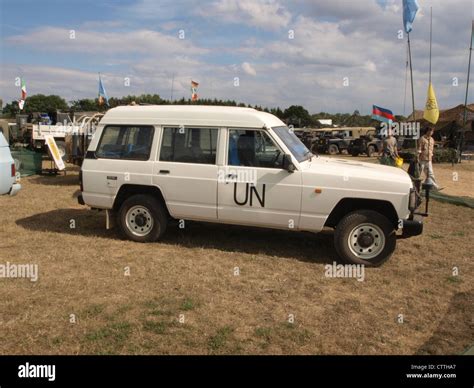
{"x": 139, "y": 220}
{"x": 366, "y": 241}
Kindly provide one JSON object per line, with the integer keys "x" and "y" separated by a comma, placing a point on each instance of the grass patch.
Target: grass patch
{"x": 155, "y": 327}
{"x": 159, "y": 313}
{"x": 220, "y": 339}
{"x": 151, "y": 304}
{"x": 263, "y": 332}
{"x": 435, "y": 236}
{"x": 453, "y": 279}
{"x": 123, "y": 309}
{"x": 294, "y": 333}
{"x": 265, "y": 335}
{"x": 188, "y": 304}
{"x": 56, "y": 340}
{"x": 93, "y": 310}
{"x": 115, "y": 333}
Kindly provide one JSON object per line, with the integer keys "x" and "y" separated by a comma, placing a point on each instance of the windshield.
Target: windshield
{"x": 296, "y": 147}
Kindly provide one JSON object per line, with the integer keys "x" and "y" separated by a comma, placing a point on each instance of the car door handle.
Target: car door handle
{"x": 164, "y": 171}
{"x": 229, "y": 178}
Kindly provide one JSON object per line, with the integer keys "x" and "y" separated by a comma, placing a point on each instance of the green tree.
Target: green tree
{"x": 85, "y": 104}
{"x": 11, "y": 109}
{"x": 45, "y": 104}
{"x": 297, "y": 116}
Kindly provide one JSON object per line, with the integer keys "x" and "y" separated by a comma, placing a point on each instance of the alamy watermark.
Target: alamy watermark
{"x": 14, "y": 271}
{"x": 237, "y": 175}
{"x": 335, "y": 270}
{"x": 30, "y": 371}
{"x": 408, "y": 129}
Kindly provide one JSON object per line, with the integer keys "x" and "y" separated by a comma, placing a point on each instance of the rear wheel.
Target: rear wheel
{"x": 333, "y": 149}
{"x": 365, "y": 237}
{"x": 142, "y": 218}
{"x": 371, "y": 151}
{"x": 354, "y": 153}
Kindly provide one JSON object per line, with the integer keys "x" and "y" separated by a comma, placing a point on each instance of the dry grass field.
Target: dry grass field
{"x": 128, "y": 298}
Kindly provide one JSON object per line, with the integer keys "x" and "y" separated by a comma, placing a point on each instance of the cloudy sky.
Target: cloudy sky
{"x": 328, "y": 55}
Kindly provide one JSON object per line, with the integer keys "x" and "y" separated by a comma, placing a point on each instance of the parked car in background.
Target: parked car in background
{"x": 8, "y": 177}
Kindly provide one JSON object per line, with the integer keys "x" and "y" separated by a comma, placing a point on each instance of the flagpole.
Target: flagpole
{"x": 431, "y": 37}
{"x": 98, "y": 98}
{"x": 411, "y": 78}
{"x": 406, "y": 82}
{"x": 461, "y": 143}
{"x": 172, "y": 87}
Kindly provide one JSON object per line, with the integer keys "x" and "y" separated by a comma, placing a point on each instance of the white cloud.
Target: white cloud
{"x": 264, "y": 14}
{"x": 105, "y": 43}
{"x": 333, "y": 39}
{"x": 248, "y": 69}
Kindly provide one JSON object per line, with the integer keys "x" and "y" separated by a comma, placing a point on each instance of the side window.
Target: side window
{"x": 253, "y": 148}
{"x": 189, "y": 145}
{"x": 125, "y": 142}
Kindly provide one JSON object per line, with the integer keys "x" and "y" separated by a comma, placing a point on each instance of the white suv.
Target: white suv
{"x": 147, "y": 164}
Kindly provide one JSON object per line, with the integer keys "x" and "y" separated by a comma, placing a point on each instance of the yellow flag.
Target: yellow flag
{"x": 431, "y": 112}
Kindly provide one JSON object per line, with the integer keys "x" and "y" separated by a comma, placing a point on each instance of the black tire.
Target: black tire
{"x": 371, "y": 151}
{"x": 148, "y": 210}
{"x": 346, "y": 230}
{"x": 354, "y": 153}
{"x": 333, "y": 149}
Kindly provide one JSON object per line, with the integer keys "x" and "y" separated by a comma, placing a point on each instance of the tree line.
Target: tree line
{"x": 295, "y": 115}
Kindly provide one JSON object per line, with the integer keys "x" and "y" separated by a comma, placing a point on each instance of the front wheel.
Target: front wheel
{"x": 371, "y": 151}
{"x": 142, "y": 218}
{"x": 333, "y": 149}
{"x": 365, "y": 237}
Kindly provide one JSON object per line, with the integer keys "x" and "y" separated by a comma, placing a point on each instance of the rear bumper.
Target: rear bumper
{"x": 412, "y": 227}
{"x": 16, "y": 187}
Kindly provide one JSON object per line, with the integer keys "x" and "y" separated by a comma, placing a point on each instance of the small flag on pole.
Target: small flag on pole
{"x": 21, "y": 101}
{"x": 410, "y": 9}
{"x": 431, "y": 112}
{"x": 382, "y": 114}
{"x": 194, "y": 86}
{"x": 102, "y": 93}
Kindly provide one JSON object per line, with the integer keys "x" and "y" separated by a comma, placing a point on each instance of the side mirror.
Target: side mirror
{"x": 288, "y": 163}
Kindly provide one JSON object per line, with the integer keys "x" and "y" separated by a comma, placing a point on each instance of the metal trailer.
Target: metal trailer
{"x": 72, "y": 136}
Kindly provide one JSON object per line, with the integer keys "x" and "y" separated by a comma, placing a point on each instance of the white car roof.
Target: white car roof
{"x": 3, "y": 141}
{"x": 201, "y": 115}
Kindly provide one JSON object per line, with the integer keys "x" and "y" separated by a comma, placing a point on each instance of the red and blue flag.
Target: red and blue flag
{"x": 382, "y": 114}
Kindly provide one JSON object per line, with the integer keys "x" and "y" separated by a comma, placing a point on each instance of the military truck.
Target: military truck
{"x": 369, "y": 144}
{"x": 336, "y": 141}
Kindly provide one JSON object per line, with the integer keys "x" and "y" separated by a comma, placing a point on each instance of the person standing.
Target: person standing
{"x": 425, "y": 155}
{"x": 389, "y": 150}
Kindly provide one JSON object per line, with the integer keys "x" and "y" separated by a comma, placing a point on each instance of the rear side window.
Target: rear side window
{"x": 189, "y": 145}
{"x": 125, "y": 142}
